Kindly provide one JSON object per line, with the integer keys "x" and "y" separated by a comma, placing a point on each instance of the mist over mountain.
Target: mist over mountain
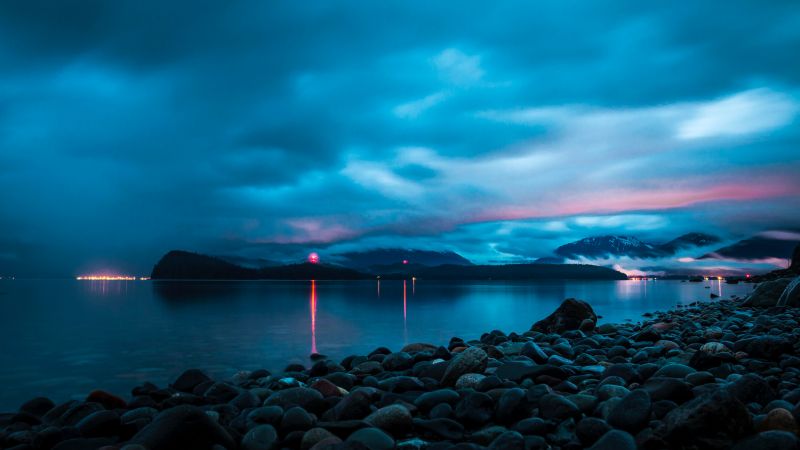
{"x": 390, "y": 256}
{"x": 614, "y": 246}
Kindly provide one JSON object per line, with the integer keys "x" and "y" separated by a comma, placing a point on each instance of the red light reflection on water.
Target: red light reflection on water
{"x": 313, "y": 307}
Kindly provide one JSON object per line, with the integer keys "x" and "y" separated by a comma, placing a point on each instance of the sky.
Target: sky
{"x": 501, "y": 131}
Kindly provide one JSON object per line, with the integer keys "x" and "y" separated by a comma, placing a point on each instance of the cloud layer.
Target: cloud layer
{"x": 130, "y": 128}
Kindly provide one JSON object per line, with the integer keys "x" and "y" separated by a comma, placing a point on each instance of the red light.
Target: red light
{"x": 405, "y": 261}
{"x": 313, "y": 258}
{"x": 747, "y": 276}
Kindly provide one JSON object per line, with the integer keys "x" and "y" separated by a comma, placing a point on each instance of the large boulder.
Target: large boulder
{"x": 767, "y": 293}
{"x": 791, "y": 295}
{"x": 568, "y": 316}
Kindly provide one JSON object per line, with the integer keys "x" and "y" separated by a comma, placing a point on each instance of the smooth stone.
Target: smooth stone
{"x": 615, "y": 440}
{"x": 471, "y": 360}
{"x": 769, "y": 440}
{"x": 556, "y": 407}
{"x": 393, "y": 419}
{"x": 296, "y": 419}
{"x": 674, "y": 371}
{"x": 443, "y": 428}
{"x": 705, "y": 418}
{"x": 296, "y": 396}
{"x": 372, "y": 438}
{"x": 99, "y": 424}
{"x": 316, "y": 435}
{"x": 632, "y": 413}
{"x": 469, "y": 380}
{"x": 182, "y": 427}
{"x": 262, "y": 437}
{"x": 189, "y": 379}
{"x": 508, "y": 440}
{"x": 428, "y": 400}
{"x": 590, "y": 429}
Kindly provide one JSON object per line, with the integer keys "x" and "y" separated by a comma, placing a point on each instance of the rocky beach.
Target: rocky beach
{"x": 718, "y": 374}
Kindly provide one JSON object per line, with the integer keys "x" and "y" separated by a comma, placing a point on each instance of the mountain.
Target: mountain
{"x": 689, "y": 240}
{"x": 182, "y": 265}
{"x": 614, "y": 246}
{"x": 605, "y": 246}
{"x": 250, "y": 263}
{"x": 178, "y": 264}
{"x": 388, "y": 256}
{"x": 754, "y": 248}
{"x": 510, "y": 272}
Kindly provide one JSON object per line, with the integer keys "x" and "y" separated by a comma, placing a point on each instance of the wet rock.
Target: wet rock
{"x": 714, "y": 419}
{"x": 791, "y": 295}
{"x": 556, "y": 407}
{"x": 471, "y": 360}
{"x": 568, "y": 316}
{"x": 189, "y": 379}
{"x": 108, "y": 400}
{"x": 372, "y": 438}
{"x": 316, "y": 435}
{"x": 393, "y": 419}
{"x": 615, "y": 440}
{"x": 779, "y": 419}
{"x": 428, "y": 400}
{"x": 440, "y": 428}
{"x": 769, "y": 440}
{"x": 590, "y": 429}
{"x": 262, "y": 437}
{"x": 355, "y": 405}
{"x": 664, "y": 388}
{"x": 632, "y": 413}
{"x": 37, "y": 406}
{"x": 476, "y": 408}
{"x": 767, "y": 293}
{"x": 751, "y": 388}
{"x": 508, "y": 440}
{"x": 99, "y": 424}
{"x": 767, "y": 347}
{"x": 296, "y": 419}
{"x": 534, "y": 352}
{"x": 183, "y": 427}
{"x": 297, "y": 396}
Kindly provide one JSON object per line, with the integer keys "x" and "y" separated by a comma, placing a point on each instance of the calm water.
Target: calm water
{"x": 62, "y": 338}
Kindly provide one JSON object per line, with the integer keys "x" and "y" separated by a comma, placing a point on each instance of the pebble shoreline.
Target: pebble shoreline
{"x": 710, "y": 375}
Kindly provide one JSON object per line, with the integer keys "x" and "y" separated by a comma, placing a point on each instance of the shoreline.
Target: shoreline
{"x": 567, "y": 384}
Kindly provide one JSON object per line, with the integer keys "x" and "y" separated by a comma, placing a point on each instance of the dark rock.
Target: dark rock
{"x": 791, "y": 295}
{"x": 713, "y": 420}
{"x": 262, "y": 437}
{"x": 751, "y": 388}
{"x": 770, "y": 440}
{"x": 77, "y": 412}
{"x": 441, "y": 428}
{"x": 508, "y": 440}
{"x": 355, "y": 405}
{"x": 109, "y": 401}
{"x": 590, "y": 429}
{"x": 372, "y": 439}
{"x": 189, "y": 379}
{"x": 397, "y": 361}
{"x": 663, "y": 388}
{"x": 632, "y": 413}
{"x": 428, "y": 400}
{"x": 83, "y": 444}
{"x": 615, "y": 440}
{"x": 556, "y": 407}
{"x": 512, "y": 406}
{"x": 296, "y": 419}
{"x": 270, "y": 415}
{"x": 393, "y": 419}
{"x": 534, "y": 352}
{"x": 520, "y": 370}
{"x": 767, "y": 347}
{"x": 221, "y": 392}
{"x": 183, "y": 427}
{"x": 471, "y": 360}
{"x": 99, "y": 424}
{"x": 297, "y": 396}
{"x": 37, "y": 406}
{"x": 767, "y": 293}
{"x": 476, "y": 408}
{"x": 568, "y": 316}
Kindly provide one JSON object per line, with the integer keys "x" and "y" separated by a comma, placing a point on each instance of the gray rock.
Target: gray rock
{"x": 296, "y": 396}
{"x": 372, "y": 438}
{"x": 471, "y": 360}
{"x": 615, "y": 440}
{"x": 183, "y": 427}
{"x": 791, "y": 294}
{"x": 568, "y": 316}
{"x": 767, "y": 293}
{"x": 632, "y": 413}
{"x": 262, "y": 437}
{"x": 393, "y": 419}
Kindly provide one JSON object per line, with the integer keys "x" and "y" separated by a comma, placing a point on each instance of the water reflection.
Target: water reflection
{"x": 107, "y": 287}
{"x": 313, "y": 307}
{"x": 405, "y": 314}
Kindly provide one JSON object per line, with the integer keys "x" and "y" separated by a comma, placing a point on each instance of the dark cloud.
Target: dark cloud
{"x": 128, "y": 128}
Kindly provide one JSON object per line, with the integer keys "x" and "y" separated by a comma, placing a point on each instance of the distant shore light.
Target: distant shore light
{"x": 313, "y": 258}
